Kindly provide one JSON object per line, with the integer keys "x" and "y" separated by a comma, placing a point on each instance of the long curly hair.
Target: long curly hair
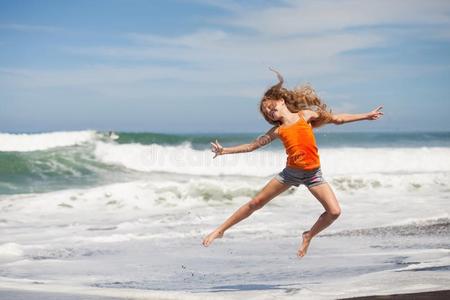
{"x": 299, "y": 98}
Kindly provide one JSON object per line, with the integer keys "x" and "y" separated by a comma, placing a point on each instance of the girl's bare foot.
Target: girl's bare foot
{"x": 305, "y": 244}
{"x": 211, "y": 237}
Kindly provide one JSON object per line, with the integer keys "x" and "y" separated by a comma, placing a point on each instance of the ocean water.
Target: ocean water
{"x": 83, "y": 213}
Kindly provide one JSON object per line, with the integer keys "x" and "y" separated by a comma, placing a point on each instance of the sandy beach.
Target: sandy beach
{"x": 13, "y": 294}
{"x": 432, "y": 295}
{"x": 117, "y": 226}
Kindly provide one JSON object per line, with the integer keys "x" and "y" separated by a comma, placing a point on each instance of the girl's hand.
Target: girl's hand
{"x": 375, "y": 114}
{"x": 216, "y": 148}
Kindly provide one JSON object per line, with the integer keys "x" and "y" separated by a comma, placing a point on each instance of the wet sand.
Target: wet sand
{"x": 13, "y": 294}
{"x": 434, "y": 295}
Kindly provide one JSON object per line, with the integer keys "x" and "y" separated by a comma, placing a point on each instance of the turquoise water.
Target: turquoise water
{"x": 35, "y": 164}
{"x": 324, "y": 139}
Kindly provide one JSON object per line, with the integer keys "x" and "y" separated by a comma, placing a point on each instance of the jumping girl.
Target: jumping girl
{"x": 294, "y": 114}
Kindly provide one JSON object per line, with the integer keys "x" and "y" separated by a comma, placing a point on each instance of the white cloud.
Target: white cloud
{"x": 315, "y": 17}
{"x": 229, "y": 5}
{"x": 126, "y": 82}
{"x": 297, "y": 37}
{"x": 205, "y": 36}
{"x": 90, "y": 76}
{"x": 31, "y": 28}
{"x": 220, "y": 49}
{"x": 224, "y": 65}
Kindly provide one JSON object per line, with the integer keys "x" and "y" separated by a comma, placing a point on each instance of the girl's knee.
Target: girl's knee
{"x": 255, "y": 204}
{"x": 334, "y": 213}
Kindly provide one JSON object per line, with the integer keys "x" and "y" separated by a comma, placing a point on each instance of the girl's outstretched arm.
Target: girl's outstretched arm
{"x": 346, "y": 118}
{"x": 262, "y": 140}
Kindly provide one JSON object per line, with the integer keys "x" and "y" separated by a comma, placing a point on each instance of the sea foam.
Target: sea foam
{"x": 43, "y": 141}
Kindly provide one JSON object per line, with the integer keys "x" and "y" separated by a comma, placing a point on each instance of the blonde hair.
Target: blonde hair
{"x": 299, "y": 98}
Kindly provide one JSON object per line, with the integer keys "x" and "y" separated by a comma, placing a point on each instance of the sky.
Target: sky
{"x": 198, "y": 66}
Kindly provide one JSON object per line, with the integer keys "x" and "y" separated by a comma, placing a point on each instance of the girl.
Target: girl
{"x": 294, "y": 114}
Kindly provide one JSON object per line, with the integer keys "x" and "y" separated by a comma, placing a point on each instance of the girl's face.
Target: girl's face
{"x": 272, "y": 109}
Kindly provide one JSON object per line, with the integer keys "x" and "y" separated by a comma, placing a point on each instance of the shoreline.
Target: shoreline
{"x": 434, "y": 295}
{"x": 18, "y": 294}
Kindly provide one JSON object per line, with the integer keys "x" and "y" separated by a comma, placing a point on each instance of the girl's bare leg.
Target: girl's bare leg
{"x": 272, "y": 189}
{"x": 326, "y": 197}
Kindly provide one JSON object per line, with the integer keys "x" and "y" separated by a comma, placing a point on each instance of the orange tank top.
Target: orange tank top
{"x": 300, "y": 144}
